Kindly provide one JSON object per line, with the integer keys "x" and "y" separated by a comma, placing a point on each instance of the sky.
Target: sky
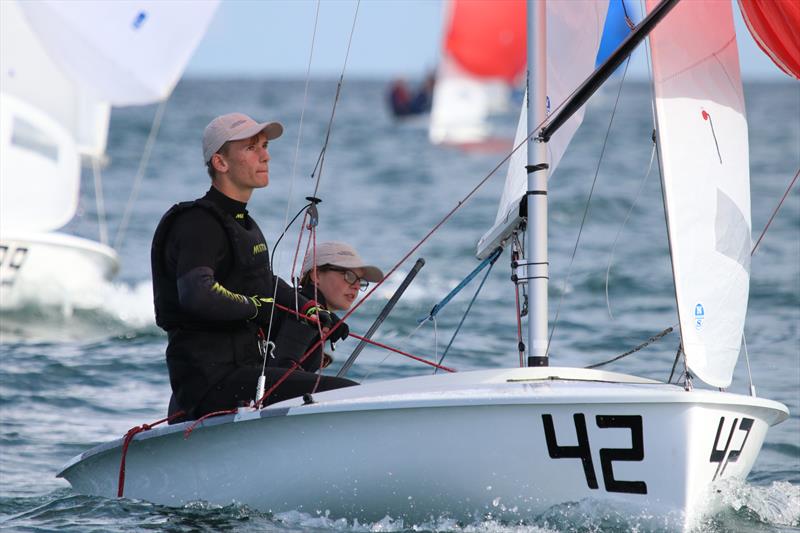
{"x": 391, "y": 38}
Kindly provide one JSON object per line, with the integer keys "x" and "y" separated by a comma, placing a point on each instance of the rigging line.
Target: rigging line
{"x": 300, "y": 137}
{"x": 635, "y": 349}
{"x": 519, "y": 327}
{"x": 463, "y": 283}
{"x": 628, "y": 19}
{"x": 675, "y": 362}
{"x": 586, "y": 210}
{"x": 99, "y": 200}
{"x": 435, "y": 338}
{"x": 624, "y": 223}
{"x": 275, "y": 246}
{"x": 408, "y": 337}
{"x": 292, "y": 180}
{"x": 775, "y": 212}
{"x": 137, "y": 181}
{"x": 747, "y": 359}
{"x": 321, "y": 158}
{"x": 304, "y": 209}
{"x": 469, "y": 307}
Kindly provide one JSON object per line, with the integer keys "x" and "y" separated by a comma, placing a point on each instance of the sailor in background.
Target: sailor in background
{"x": 332, "y": 275}
{"x": 213, "y": 285}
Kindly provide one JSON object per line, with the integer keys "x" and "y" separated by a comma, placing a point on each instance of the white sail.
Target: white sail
{"x": 125, "y": 52}
{"x": 30, "y": 74}
{"x": 39, "y": 169}
{"x": 574, "y": 31}
{"x": 702, "y": 139}
{"x": 462, "y": 105}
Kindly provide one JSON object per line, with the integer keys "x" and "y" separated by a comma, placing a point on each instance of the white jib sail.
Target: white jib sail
{"x": 125, "y": 52}
{"x": 702, "y": 139}
{"x": 30, "y": 74}
{"x": 574, "y": 30}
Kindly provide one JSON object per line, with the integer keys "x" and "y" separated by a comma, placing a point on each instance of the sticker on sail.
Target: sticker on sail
{"x": 699, "y": 315}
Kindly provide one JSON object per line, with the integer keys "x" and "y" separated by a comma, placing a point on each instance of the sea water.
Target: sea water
{"x": 72, "y": 380}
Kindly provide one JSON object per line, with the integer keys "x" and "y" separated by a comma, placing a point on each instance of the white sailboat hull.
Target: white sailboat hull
{"x": 510, "y": 443}
{"x": 50, "y": 268}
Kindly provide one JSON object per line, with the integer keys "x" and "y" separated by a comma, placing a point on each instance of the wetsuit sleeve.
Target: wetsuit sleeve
{"x": 202, "y": 295}
{"x": 285, "y": 295}
{"x": 198, "y": 249}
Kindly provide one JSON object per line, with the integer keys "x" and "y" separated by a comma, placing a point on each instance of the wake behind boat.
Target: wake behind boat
{"x": 514, "y": 442}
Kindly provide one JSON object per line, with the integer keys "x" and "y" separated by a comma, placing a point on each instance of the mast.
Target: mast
{"x": 536, "y": 264}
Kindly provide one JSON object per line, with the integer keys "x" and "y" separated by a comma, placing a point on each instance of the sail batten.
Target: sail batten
{"x": 703, "y": 149}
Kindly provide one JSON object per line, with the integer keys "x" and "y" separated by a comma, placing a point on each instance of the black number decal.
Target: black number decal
{"x": 581, "y": 451}
{"x": 11, "y": 260}
{"x": 634, "y": 453}
{"x": 726, "y": 455}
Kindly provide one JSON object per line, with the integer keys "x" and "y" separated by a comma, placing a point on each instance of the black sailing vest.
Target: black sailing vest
{"x": 250, "y": 272}
{"x": 201, "y": 353}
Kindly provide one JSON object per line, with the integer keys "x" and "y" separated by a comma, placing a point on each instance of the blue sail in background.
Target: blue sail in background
{"x": 615, "y": 29}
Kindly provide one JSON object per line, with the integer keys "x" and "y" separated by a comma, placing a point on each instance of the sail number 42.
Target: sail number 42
{"x": 583, "y": 450}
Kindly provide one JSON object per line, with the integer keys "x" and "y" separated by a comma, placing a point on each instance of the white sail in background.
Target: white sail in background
{"x": 462, "y": 105}
{"x": 574, "y": 31}
{"x": 125, "y": 52}
{"x": 39, "y": 169}
{"x": 702, "y": 134}
{"x": 62, "y": 65}
{"x": 30, "y": 74}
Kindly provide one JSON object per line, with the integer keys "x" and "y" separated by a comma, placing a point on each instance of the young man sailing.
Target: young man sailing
{"x": 213, "y": 285}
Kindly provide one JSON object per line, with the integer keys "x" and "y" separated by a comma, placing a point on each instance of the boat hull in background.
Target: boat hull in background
{"x": 53, "y": 269}
{"x": 506, "y": 443}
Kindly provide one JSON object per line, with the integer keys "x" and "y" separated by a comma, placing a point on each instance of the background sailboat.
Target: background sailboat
{"x": 483, "y": 58}
{"x": 64, "y": 64}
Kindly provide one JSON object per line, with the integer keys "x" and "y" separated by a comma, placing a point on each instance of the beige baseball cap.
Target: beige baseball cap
{"x": 341, "y": 255}
{"x": 235, "y": 127}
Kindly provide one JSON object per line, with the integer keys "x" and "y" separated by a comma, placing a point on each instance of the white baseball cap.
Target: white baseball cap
{"x": 235, "y": 127}
{"x": 341, "y": 255}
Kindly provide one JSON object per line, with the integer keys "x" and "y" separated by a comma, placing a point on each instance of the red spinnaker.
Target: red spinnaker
{"x": 775, "y": 25}
{"x": 487, "y": 37}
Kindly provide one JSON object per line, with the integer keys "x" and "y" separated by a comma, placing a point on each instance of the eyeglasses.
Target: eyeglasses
{"x": 349, "y": 276}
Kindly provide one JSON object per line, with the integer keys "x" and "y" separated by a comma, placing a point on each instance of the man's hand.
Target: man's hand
{"x": 263, "y": 310}
{"x": 328, "y": 321}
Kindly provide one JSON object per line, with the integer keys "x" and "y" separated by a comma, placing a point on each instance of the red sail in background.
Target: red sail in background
{"x": 487, "y": 38}
{"x": 775, "y": 25}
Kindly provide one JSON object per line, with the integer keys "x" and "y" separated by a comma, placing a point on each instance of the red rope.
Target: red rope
{"x": 414, "y": 357}
{"x": 299, "y": 242}
{"x": 370, "y": 341}
{"x": 188, "y": 431}
{"x": 126, "y": 442}
{"x": 775, "y": 212}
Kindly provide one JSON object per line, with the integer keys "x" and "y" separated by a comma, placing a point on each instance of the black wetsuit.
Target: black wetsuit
{"x": 208, "y": 257}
